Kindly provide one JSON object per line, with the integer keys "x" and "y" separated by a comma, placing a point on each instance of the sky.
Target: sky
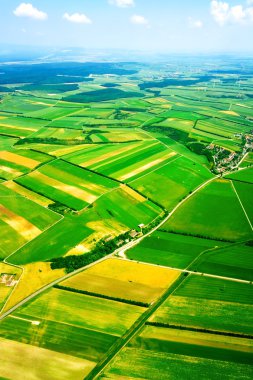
{"x": 179, "y": 26}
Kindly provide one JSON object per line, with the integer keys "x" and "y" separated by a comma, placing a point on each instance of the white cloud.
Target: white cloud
{"x": 198, "y": 24}
{"x": 78, "y": 18}
{"x": 28, "y": 10}
{"x": 223, "y": 13}
{"x": 122, "y": 3}
{"x": 139, "y": 20}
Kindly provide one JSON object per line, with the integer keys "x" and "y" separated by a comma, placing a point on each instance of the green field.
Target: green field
{"x": 136, "y": 363}
{"x": 71, "y": 340}
{"x": 245, "y": 175}
{"x": 233, "y": 261}
{"x": 195, "y": 344}
{"x": 176, "y": 180}
{"x": 97, "y": 314}
{"x": 171, "y": 250}
{"x": 209, "y": 304}
{"x": 247, "y": 161}
{"x": 214, "y": 212}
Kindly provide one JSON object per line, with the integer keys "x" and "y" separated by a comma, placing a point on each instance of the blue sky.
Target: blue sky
{"x": 155, "y": 25}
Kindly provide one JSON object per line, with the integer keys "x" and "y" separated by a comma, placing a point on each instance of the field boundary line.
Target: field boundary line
{"x": 239, "y": 199}
{"x": 233, "y": 279}
{"x": 24, "y": 319}
{"x": 214, "y": 249}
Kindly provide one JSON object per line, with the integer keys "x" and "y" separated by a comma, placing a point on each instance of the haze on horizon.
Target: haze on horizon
{"x": 207, "y": 26}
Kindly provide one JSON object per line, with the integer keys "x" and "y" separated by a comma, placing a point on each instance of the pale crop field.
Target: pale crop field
{"x": 124, "y": 280}
{"x": 39, "y": 363}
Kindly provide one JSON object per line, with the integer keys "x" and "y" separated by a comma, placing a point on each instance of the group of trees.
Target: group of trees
{"x": 102, "y": 249}
{"x": 195, "y": 235}
{"x": 49, "y": 140}
{"x": 130, "y": 302}
{"x": 197, "y": 329}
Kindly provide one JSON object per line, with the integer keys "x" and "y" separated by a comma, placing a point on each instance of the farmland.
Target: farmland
{"x": 171, "y": 250}
{"x": 227, "y": 306}
{"x": 215, "y": 212}
{"x": 232, "y": 261}
{"x": 70, "y": 185}
{"x": 21, "y": 220}
{"x": 127, "y": 219}
{"x": 122, "y": 279}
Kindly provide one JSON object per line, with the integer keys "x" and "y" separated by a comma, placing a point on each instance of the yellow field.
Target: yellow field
{"x": 16, "y": 159}
{"x": 12, "y": 171}
{"x": 19, "y": 360}
{"x": 19, "y": 128}
{"x": 132, "y": 193}
{"x": 34, "y": 277}
{"x": 233, "y": 113}
{"x": 129, "y": 271}
{"x": 74, "y": 191}
{"x": 26, "y": 229}
{"x": 124, "y": 279}
{"x": 61, "y": 151}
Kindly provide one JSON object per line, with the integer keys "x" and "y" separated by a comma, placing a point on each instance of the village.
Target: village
{"x": 227, "y": 160}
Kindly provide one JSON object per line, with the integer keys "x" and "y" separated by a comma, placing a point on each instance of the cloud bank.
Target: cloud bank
{"x": 223, "y": 13}
{"x": 28, "y": 10}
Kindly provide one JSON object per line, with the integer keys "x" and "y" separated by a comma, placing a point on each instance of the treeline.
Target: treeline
{"x": 155, "y": 223}
{"x": 102, "y": 249}
{"x": 207, "y": 331}
{"x": 196, "y": 235}
{"x": 92, "y": 171}
{"x": 123, "y": 300}
{"x": 34, "y": 118}
{"x": 49, "y": 140}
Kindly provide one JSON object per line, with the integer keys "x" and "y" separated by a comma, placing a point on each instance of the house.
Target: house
{"x": 133, "y": 234}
